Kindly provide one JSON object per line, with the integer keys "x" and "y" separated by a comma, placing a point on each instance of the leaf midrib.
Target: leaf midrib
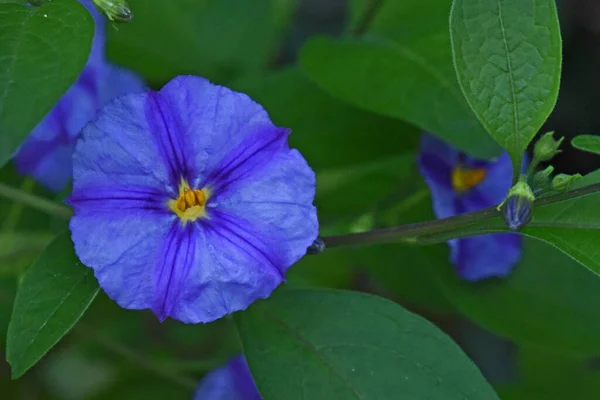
{"x": 511, "y": 81}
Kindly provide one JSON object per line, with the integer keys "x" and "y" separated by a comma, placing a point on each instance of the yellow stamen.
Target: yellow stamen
{"x": 466, "y": 179}
{"x": 190, "y": 205}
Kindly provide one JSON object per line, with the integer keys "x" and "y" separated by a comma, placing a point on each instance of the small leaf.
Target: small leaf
{"x": 589, "y": 143}
{"x": 507, "y": 55}
{"x": 323, "y": 344}
{"x": 42, "y": 51}
{"x": 54, "y": 294}
{"x": 403, "y": 70}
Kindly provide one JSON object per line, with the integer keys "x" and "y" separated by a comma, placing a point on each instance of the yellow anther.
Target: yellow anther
{"x": 190, "y": 204}
{"x": 190, "y": 198}
{"x": 181, "y": 204}
{"x": 466, "y": 179}
{"x": 200, "y": 197}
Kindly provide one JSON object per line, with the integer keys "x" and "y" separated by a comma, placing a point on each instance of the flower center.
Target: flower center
{"x": 190, "y": 205}
{"x": 466, "y": 179}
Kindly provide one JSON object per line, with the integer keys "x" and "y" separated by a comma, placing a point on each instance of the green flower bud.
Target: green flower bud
{"x": 517, "y": 209}
{"x": 561, "y": 182}
{"x": 541, "y": 180}
{"x": 546, "y": 147}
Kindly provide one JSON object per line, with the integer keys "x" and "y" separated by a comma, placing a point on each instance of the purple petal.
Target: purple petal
{"x": 108, "y": 198}
{"x": 177, "y": 257}
{"x": 222, "y": 135}
{"x": 118, "y": 148}
{"x": 278, "y": 203}
{"x": 119, "y": 243}
{"x": 442, "y": 152}
{"x": 46, "y": 153}
{"x": 494, "y": 188}
{"x": 486, "y": 256}
{"x": 232, "y": 381}
{"x": 232, "y": 266}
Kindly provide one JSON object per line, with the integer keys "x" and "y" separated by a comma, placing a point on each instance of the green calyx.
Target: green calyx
{"x": 520, "y": 189}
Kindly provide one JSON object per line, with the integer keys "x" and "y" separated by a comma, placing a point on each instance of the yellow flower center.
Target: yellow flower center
{"x": 466, "y": 179}
{"x": 191, "y": 203}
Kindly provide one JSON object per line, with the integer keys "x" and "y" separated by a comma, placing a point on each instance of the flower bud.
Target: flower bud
{"x": 546, "y": 147}
{"x": 518, "y": 206}
{"x": 561, "y": 182}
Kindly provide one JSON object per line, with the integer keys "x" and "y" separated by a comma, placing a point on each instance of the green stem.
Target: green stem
{"x": 367, "y": 17}
{"x": 134, "y": 358}
{"x": 444, "y": 229}
{"x": 16, "y": 209}
{"x": 33, "y": 201}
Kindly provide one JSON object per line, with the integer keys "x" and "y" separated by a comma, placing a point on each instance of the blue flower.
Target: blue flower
{"x": 460, "y": 184}
{"x": 232, "y": 381}
{"x": 46, "y": 153}
{"x": 189, "y": 202}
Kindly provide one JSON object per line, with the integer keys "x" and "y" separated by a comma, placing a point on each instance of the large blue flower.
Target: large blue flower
{"x": 189, "y": 201}
{"x": 46, "y": 154}
{"x": 232, "y": 381}
{"x": 460, "y": 184}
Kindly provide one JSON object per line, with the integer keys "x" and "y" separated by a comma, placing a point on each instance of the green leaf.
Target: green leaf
{"x": 402, "y": 70}
{"x": 42, "y": 51}
{"x": 318, "y": 344}
{"x": 54, "y": 294}
{"x": 216, "y": 39}
{"x": 548, "y": 300}
{"x": 507, "y": 55}
{"x": 572, "y": 225}
{"x": 589, "y": 143}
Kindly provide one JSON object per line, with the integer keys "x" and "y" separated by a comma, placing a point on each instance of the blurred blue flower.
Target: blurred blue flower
{"x": 232, "y": 381}
{"x": 46, "y": 153}
{"x": 460, "y": 184}
{"x": 189, "y": 201}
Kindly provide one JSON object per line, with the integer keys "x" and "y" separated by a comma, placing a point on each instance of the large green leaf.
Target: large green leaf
{"x": 317, "y": 344}
{"x": 507, "y": 55}
{"x": 402, "y": 70}
{"x": 216, "y": 39}
{"x": 548, "y": 300}
{"x": 54, "y": 294}
{"x": 42, "y": 51}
